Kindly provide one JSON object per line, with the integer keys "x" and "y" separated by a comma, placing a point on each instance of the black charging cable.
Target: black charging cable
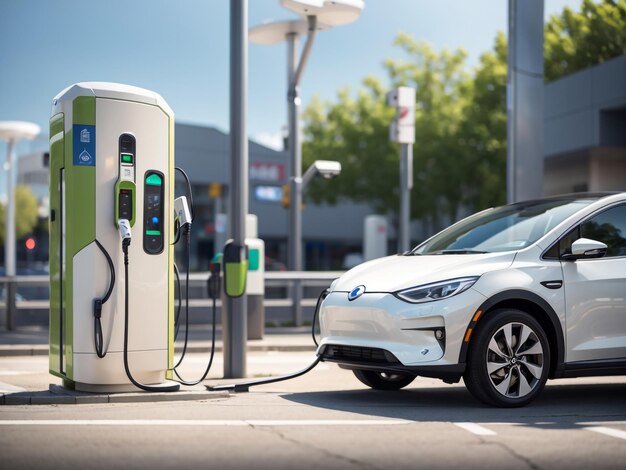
{"x": 98, "y": 303}
{"x": 187, "y": 229}
{"x": 320, "y": 299}
{"x": 147, "y": 388}
{"x": 245, "y": 386}
{"x": 180, "y": 302}
{"x": 214, "y": 287}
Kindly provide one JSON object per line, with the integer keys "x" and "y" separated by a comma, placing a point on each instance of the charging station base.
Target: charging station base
{"x": 121, "y": 388}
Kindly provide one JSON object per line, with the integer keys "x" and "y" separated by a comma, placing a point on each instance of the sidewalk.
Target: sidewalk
{"x": 33, "y": 341}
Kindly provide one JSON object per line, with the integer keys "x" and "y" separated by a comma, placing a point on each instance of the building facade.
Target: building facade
{"x": 585, "y": 130}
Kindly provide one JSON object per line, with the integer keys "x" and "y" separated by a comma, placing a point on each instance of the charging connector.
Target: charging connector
{"x": 183, "y": 214}
{"x": 125, "y": 233}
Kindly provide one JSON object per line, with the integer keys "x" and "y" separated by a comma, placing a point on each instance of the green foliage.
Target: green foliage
{"x": 577, "y": 40}
{"x": 355, "y": 131}
{"x": 460, "y": 149}
{"x": 25, "y": 213}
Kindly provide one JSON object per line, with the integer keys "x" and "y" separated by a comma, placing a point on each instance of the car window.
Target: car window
{"x": 504, "y": 228}
{"x": 608, "y": 227}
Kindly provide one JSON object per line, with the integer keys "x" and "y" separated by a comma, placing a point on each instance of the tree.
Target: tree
{"x": 355, "y": 131}
{"x": 460, "y": 150}
{"x": 483, "y": 131}
{"x": 577, "y": 40}
{"x": 26, "y": 210}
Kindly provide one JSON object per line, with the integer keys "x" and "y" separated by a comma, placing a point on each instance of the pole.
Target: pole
{"x": 406, "y": 185}
{"x": 295, "y": 174}
{"x": 525, "y": 88}
{"x": 9, "y": 245}
{"x": 295, "y": 157}
{"x": 235, "y": 327}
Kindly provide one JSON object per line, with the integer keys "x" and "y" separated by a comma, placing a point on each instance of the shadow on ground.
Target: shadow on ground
{"x": 565, "y": 404}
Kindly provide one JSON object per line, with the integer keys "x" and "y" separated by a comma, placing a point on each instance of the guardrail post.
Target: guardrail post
{"x": 10, "y": 303}
{"x": 296, "y": 295}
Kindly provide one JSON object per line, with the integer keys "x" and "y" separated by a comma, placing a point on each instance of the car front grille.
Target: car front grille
{"x": 357, "y": 354}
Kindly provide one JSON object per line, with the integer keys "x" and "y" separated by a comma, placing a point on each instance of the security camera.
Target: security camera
{"x": 325, "y": 168}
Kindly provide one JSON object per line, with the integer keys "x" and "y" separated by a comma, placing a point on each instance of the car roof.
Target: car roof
{"x": 571, "y": 197}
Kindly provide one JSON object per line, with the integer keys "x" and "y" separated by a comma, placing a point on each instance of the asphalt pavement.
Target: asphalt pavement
{"x": 324, "y": 419}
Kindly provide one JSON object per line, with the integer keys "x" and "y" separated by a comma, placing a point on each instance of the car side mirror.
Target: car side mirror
{"x": 584, "y": 248}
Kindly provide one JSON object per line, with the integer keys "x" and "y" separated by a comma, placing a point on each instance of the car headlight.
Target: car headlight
{"x": 437, "y": 290}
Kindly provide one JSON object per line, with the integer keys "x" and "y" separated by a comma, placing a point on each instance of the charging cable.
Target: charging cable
{"x": 245, "y": 386}
{"x": 98, "y": 303}
{"x": 185, "y": 218}
{"x": 214, "y": 288}
{"x": 125, "y": 233}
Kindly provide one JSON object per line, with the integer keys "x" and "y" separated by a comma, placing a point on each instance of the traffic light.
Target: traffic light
{"x": 215, "y": 190}
{"x": 30, "y": 244}
{"x": 285, "y": 199}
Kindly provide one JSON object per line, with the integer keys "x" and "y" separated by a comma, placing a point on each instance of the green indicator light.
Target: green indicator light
{"x": 154, "y": 180}
{"x": 254, "y": 260}
{"x": 153, "y": 232}
{"x": 126, "y": 158}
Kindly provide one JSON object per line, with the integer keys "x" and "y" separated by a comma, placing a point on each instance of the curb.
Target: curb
{"x": 58, "y": 395}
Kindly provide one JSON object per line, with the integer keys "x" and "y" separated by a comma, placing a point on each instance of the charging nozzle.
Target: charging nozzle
{"x": 183, "y": 214}
{"x": 214, "y": 282}
{"x": 124, "y": 228}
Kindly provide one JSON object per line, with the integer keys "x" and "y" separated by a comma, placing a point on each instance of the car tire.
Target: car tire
{"x": 508, "y": 359}
{"x": 383, "y": 380}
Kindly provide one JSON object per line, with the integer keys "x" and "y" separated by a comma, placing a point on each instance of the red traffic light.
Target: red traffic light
{"x": 30, "y": 243}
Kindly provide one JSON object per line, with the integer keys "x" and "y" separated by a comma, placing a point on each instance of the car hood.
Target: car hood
{"x": 393, "y": 273}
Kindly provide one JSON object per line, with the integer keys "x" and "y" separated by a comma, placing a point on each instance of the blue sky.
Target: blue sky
{"x": 180, "y": 49}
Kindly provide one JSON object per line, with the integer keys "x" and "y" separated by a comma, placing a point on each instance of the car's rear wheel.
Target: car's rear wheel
{"x": 509, "y": 359}
{"x": 383, "y": 380}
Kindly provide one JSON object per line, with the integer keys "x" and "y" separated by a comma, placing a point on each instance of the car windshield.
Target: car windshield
{"x": 505, "y": 228}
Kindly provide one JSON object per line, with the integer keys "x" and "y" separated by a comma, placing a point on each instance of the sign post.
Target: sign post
{"x": 402, "y": 130}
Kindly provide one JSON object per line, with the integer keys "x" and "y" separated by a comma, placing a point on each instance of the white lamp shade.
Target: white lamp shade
{"x": 328, "y": 12}
{"x": 18, "y": 130}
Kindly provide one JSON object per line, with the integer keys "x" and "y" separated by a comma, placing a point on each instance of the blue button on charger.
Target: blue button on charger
{"x": 155, "y": 220}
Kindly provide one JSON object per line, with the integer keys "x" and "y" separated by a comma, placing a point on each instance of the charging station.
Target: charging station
{"x": 111, "y": 181}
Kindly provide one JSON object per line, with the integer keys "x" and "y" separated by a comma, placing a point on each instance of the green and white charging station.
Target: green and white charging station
{"x": 111, "y": 159}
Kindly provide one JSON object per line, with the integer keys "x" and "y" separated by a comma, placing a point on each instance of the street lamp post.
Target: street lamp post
{"x": 320, "y": 15}
{"x": 12, "y": 132}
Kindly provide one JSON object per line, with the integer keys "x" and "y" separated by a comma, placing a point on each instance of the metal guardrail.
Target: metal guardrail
{"x": 294, "y": 281}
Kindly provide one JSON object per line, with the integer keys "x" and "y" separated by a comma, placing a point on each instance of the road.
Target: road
{"x": 325, "y": 419}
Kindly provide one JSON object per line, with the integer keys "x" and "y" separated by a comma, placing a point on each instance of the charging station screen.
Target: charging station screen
{"x": 153, "y": 213}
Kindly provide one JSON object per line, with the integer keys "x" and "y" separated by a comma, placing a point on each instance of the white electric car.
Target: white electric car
{"x": 506, "y": 299}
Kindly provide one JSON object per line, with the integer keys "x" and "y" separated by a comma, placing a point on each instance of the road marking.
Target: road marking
{"x": 8, "y": 388}
{"x": 476, "y": 429}
{"x": 203, "y": 422}
{"x": 607, "y": 431}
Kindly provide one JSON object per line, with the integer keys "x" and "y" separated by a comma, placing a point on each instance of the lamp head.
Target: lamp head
{"x": 328, "y": 12}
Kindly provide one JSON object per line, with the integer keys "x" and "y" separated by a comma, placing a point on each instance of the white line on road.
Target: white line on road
{"x": 476, "y": 429}
{"x": 203, "y": 422}
{"x": 8, "y": 388}
{"x": 608, "y": 431}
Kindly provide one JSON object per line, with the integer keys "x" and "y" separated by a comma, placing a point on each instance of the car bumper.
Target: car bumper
{"x": 378, "y": 331}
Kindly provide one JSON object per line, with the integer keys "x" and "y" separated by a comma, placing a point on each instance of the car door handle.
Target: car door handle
{"x": 552, "y": 284}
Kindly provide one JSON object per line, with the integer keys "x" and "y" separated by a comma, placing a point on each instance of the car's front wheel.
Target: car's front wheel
{"x": 509, "y": 359}
{"x": 383, "y": 380}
